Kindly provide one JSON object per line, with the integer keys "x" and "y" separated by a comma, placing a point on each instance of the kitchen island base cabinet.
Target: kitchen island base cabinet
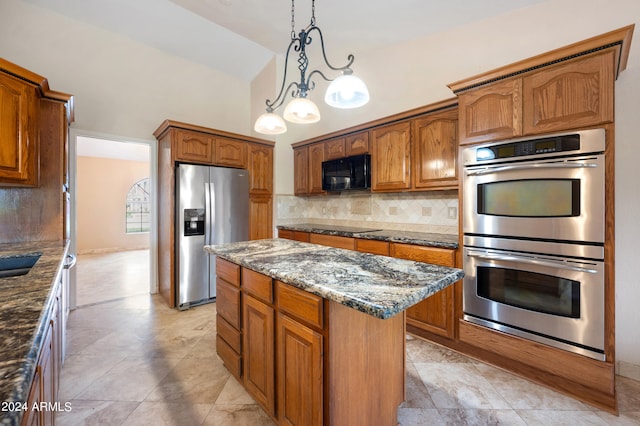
{"x": 310, "y": 361}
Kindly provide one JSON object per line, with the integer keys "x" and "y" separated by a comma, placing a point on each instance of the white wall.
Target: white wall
{"x": 417, "y": 73}
{"x": 120, "y": 87}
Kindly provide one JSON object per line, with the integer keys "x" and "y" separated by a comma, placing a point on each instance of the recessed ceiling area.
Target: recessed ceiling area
{"x": 239, "y": 37}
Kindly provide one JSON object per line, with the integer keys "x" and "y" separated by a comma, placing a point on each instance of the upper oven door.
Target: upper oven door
{"x": 545, "y": 198}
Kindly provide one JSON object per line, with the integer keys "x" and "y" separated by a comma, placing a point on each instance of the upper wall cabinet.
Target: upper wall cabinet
{"x": 434, "y": 138}
{"x": 19, "y": 106}
{"x": 391, "y": 157}
{"x": 491, "y": 112}
{"x": 572, "y": 89}
{"x": 412, "y": 151}
{"x": 194, "y": 147}
{"x": 578, "y": 93}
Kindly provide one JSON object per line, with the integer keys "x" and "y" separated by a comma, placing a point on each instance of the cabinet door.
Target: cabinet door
{"x": 194, "y": 147}
{"x": 316, "y": 157}
{"x": 230, "y": 153}
{"x": 570, "y": 95}
{"x": 436, "y": 313}
{"x": 333, "y": 241}
{"x": 491, "y": 112}
{"x": 260, "y": 217}
{"x": 259, "y": 352}
{"x": 300, "y": 383}
{"x": 334, "y": 149}
{"x": 260, "y": 165}
{"x": 19, "y": 142}
{"x": 357, "y": 143}
{"x": 301, "y": 171}
{"x": 435, "y": 151}
{"x": 391, "y": 157}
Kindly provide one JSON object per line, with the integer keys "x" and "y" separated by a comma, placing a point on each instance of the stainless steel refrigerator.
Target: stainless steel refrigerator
{"x": 212, "y": 207}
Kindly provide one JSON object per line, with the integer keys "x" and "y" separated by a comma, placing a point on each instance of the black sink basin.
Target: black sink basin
{"x": 13, "y": 266}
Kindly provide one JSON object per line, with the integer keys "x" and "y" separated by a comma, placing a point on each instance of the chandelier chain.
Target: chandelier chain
{"x": 313, "y": 13}
{"x": 293, "y": 20}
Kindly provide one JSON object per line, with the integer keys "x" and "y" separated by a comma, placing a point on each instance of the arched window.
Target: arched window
{"x": 139, "y": 207}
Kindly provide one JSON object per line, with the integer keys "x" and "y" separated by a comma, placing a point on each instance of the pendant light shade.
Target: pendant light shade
{"x": 270, "y": 124}
{"x": 347, "y": 91}
{"x": 301, "y": 110}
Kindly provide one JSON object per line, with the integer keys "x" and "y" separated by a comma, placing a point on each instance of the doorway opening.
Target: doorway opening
{"x": 112, "y": 220}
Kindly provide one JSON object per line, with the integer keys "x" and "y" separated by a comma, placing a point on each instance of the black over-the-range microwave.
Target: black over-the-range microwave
{"x": 348, "y": 173}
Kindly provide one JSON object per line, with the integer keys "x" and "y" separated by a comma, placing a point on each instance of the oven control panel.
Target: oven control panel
{"x": 565, "y": 143}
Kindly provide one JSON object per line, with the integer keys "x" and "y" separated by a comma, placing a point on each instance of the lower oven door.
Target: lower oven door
{"x": 553, "y": 300}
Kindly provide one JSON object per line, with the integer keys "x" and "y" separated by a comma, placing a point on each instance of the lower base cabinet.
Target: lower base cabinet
{"x": 298, "y": 353}
{"x": 299, "y": 373}
{"x": 46, "y": 379}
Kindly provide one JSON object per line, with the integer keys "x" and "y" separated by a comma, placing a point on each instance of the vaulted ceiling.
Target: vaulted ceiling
{"x": 239, "y": 37}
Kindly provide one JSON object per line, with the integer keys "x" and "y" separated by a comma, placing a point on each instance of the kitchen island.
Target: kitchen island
{"x": 316, "y": 334}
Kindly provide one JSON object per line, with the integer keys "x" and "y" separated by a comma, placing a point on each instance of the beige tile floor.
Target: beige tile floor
{"x": 134, "y": 361}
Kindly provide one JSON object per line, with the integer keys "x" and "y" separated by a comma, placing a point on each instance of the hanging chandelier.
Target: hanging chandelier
{"x": 344, "y": 91}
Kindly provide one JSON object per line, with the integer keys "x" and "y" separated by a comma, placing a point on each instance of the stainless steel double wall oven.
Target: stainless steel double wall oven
{"x": 534, "y": 226}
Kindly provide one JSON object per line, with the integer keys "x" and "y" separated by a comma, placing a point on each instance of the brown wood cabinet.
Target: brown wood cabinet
{"x": 357, "y": 143}
{"x": 334, "y": 148}
{"x": 33, "y": 157}
{"x": 301, "y": 171}
{"x": 298, "y": 363}
{"x": 230, "y": 153}
{"x": 194, "y": 147}
{"x": 259, "y": 351}
{"x": 333, "y": 241}
{"x": 572, "y": 94}
{"x": 19, "y": 141}
{"x": 391, "y": 157}
{"x": 434, "y": 139}
{"x": 316, "y": 157}
{"x": 294, "y": 235}
{"x": 491, "y": 112}
{"x": 260, "y": 166}
{"x": 575, "y": 94}
{"x": 46, "y": 380}
{"x": 435, "y": 314}
{"x": 182, "y": 142}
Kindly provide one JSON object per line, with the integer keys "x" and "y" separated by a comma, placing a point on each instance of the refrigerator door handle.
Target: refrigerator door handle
{"x": 207, "y": 213}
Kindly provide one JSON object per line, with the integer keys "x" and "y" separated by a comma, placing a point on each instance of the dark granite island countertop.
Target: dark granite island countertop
{"x": 24, "y": 303}
{"x": 379, "y": 286}
{"x": 428, "y": 239}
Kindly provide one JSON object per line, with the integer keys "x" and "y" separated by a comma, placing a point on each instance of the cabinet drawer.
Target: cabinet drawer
{"x": 229, "y": 334}
{"x": 229, "y": 357}
{"x": 228, "y": 271}
{"x": 300, "y": 304}
{"x": 434, "y": 255}
{"x": 258, "y": 285}
{"x": 228, "y": 302}
{"x": 333, "y": 241}
{"x": 285, "y": 233}
{"x": 373, "y": 246}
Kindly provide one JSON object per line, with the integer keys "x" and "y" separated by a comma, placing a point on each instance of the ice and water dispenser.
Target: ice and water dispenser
{"x": 193, "y": 222}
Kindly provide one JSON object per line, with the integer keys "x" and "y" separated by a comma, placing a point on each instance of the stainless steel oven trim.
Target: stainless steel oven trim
{"x": 536, "y": 338}
{"x": 585, "y": 331}
{"x": 582, "y": 251}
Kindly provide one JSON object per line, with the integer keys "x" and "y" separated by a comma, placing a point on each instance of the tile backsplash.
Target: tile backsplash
{"x": 416, "y": 211}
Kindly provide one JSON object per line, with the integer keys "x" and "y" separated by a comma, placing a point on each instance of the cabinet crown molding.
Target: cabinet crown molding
{"x": 619, "y": 40}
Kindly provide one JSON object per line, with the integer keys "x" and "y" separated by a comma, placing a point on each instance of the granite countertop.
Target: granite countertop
{"x": 380, "y": 286}
{"x": 372, "y": 233}
{"x": 24, "y": 303}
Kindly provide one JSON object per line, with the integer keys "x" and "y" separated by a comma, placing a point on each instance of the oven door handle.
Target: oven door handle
{"x": 533, "y": 261}
{"x": 563, "y": 165}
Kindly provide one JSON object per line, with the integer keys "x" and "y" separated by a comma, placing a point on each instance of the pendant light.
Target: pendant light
{"x": 345, "y": 91}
